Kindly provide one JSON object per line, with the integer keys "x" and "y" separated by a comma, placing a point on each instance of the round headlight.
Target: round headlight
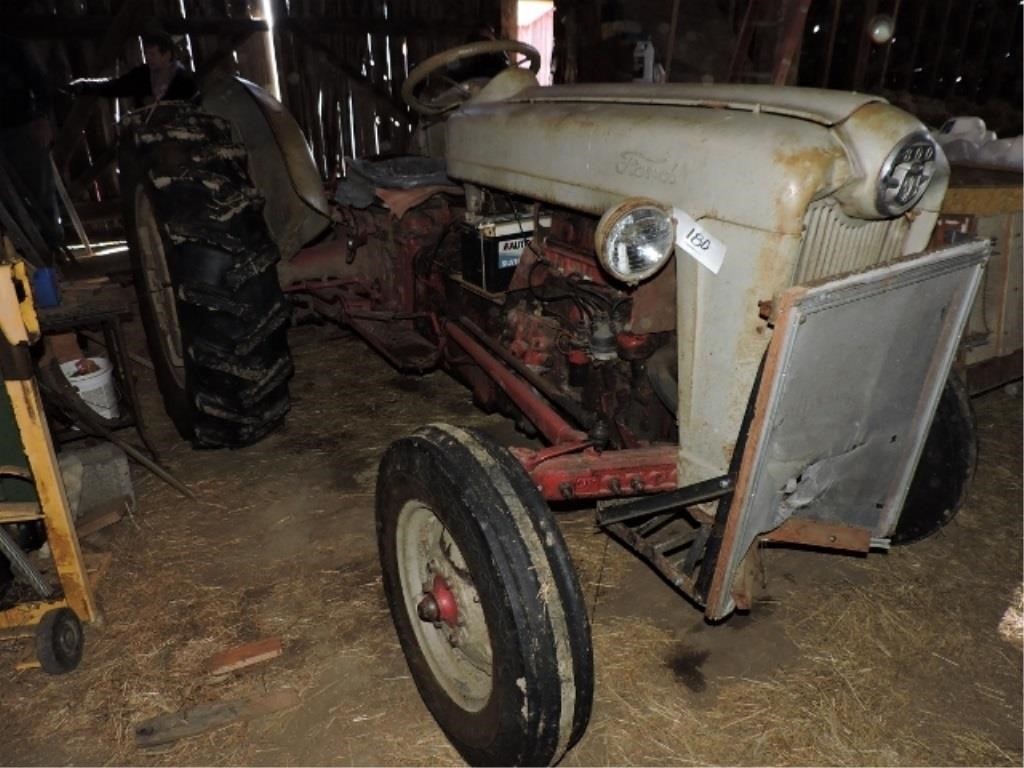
{"x": 905, "y": 174}
{"x": 635, "y": 238}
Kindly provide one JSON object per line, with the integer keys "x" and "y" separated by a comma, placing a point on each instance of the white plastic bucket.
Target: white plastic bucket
{"x": 96, "y": 388}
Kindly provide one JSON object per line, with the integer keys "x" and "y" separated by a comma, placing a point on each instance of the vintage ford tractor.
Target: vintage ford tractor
{"x": 711, "y": 304}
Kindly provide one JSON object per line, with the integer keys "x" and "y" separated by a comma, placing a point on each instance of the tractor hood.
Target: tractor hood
{"x": 814, "y": 104}
{"x": 752, "y": 155}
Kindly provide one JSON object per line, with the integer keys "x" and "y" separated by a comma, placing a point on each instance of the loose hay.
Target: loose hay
{"x": 1011, "y": 626}
{"x": 896, "y": 661}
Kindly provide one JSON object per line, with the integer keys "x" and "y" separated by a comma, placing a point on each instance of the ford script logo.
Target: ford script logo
{"x": 640, "y": 166}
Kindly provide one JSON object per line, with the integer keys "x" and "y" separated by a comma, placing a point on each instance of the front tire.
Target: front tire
{"x": 203, "y": 262}
{"x": 484, "y": 598}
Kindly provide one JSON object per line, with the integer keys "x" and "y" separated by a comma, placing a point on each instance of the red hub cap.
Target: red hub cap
{"x": 439, "y": 604}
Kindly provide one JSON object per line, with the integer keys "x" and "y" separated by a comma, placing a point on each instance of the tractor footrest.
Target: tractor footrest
{"x": 399, "y": 342}
{"x": 664, "y": 531}
{"x": 672, "y": 544}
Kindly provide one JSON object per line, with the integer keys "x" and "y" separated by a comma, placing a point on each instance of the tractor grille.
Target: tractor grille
{"x": 834, "y": 244}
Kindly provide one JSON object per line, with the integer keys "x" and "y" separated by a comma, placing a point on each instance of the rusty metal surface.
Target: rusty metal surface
{"x": 816, "y": 533}
{"x": 841, "y": 445}
{"x": 554, "y": 428}
{"x": 611, "y": 474}
{"x": 761, "y": 170}
{"x": 722, "y": 339}
{"x": 837, "y": 244}
{"x": 296, "y": 208}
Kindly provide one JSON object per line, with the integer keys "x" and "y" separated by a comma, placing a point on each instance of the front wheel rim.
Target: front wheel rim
{"x": 444, "y": 607}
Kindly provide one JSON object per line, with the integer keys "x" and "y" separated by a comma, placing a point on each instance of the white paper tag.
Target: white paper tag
{"x": 698, "y": 242}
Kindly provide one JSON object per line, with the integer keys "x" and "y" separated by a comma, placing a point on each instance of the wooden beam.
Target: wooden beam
{"x": 119, "y": 29}
{"x": 792, "y": 38}
{"x": 354, "y": 76}
{"x": 888, "y": 45}
{"x": 864, "y": 46}
{"x": 508, "y": 24}
{"x": 354, "y": 24}
{"x": 837, "y": 6}
{"x": 94, "y": 171}
{"x": 939, "y": 44}
{"x": 164, "y": 729}
{"x": 672, "y": 32}
{"x": 44, "y": 26}
{"x": 40, "y": 26}
{"x": 211, "y": 62}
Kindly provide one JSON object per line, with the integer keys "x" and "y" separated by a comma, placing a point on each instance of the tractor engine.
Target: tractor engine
{"x": 526, "y": 284}
{"x": 531, "y": 285}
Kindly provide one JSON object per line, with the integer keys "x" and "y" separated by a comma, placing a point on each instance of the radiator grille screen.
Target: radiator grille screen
{"x": 834, "y": 244}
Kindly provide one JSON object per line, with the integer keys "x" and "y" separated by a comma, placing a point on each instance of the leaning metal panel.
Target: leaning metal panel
{"x": 851, "y": 383}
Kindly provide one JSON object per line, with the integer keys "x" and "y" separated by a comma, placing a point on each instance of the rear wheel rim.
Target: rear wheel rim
{"x": 158, "y": 286}
{"x": 459, "y": 652}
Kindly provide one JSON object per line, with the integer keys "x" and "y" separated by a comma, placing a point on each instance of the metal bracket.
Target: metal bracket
{"x": 661, "y": 529}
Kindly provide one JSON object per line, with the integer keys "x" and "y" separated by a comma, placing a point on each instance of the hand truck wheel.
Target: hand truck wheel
{"x": 59, "y": 641}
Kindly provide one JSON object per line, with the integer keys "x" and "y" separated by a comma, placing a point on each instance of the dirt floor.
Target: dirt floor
{"x": 894, "y": 659}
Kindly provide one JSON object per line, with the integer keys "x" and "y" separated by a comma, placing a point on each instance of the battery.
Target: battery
{"x": 492, "y": 247}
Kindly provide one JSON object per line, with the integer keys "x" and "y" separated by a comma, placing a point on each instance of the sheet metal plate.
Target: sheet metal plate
{"x": 851, "y": 382}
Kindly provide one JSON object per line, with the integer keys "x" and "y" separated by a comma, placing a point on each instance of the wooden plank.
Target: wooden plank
{"x": 864, "y": 46}
{"x": 27, "y": 614}
{"x": 47, "y": 27}
{"x": 96, "y": 565}
{"x": 354, "y": 75}
{"x": 19, "y": 512}
{"x": 164, "y": 729}
{"x": 394, "y": 26}
{"x": 103, "y": 517}
{"x": 832, "y": 29}
{"x": 213, "y": 60}
{"x": 245, "y": 655}
{"x": 44, "y": 27}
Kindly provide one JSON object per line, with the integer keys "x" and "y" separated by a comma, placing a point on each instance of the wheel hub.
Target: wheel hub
{"x": 439, "y": 605}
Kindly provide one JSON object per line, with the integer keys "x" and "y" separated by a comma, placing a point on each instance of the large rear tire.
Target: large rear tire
{"x": 945, "y": 469}
{"x": 203, "y": 262}
{"x": 484, "y": 598}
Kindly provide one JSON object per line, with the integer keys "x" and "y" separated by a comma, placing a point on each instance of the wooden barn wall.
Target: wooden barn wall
{"x": 340, "y": 67}
{"x": 946, "y": 57}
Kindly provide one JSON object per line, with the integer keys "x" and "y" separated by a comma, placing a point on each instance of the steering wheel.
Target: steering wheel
{"x": 427, "y": 67}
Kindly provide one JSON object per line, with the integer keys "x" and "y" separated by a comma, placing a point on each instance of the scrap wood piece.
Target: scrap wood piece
{"x": 27, "y": 663}
{"x": 105, "y": 515}
{"x": 163, "y": 729}
{"x": 245, "y": 655}
{"x": 96, "y": 565}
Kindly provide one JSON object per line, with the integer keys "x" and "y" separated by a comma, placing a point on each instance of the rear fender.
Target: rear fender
{"x": 280, "y": 162}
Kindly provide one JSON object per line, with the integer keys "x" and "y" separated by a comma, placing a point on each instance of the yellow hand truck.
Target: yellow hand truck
{"x": 58, "y": 613}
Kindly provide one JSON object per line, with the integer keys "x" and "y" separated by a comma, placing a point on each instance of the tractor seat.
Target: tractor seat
{"x": 403, "y": 172}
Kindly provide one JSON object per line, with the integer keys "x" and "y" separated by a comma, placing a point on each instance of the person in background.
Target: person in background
{"x": 161, "y": 78}
{"x": 26, "y": 133}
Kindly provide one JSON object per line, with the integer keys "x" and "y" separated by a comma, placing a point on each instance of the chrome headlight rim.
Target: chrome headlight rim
{"x": 616, "y": 217}
{"x": 915, "y": 160}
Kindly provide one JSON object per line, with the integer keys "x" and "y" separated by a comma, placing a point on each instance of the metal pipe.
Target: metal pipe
{"x": 573, "y": 409}
{"x": 715, "y": 488}
{"x": 556, "y": 429}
